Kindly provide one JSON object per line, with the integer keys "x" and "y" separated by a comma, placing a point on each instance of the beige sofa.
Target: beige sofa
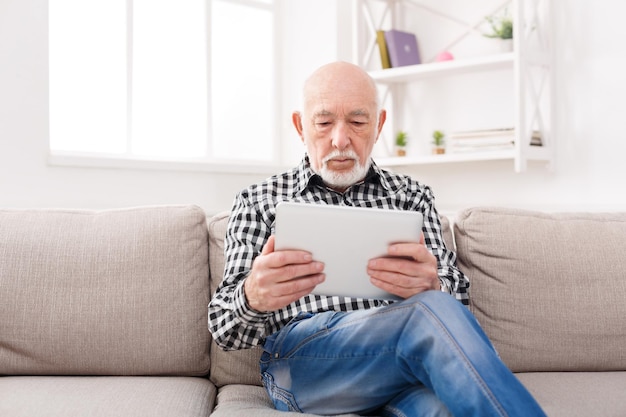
{"x": 105, "y": 313}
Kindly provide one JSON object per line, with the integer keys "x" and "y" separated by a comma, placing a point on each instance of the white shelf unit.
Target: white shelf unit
{"x": 529, "y": 66}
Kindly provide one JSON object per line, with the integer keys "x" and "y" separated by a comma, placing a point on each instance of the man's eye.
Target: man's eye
{"x": 323, "y": 123}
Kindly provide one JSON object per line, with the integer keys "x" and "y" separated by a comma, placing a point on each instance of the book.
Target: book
{"x": 382, "y": 47}
{"x": 482, "y": 133}
{"x": 402, "y": 48}
{"x": 488, "y": 139}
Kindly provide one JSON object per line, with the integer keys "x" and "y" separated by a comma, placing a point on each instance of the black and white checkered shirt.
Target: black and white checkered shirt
{"x": 234, "y": 324}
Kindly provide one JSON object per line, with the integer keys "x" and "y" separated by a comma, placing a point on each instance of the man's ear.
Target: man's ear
{"x": 296, "y": 119}
{"x": 382, "y": 116}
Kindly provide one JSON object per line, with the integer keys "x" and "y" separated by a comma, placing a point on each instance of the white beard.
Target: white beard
{"x": 343, "y": 179}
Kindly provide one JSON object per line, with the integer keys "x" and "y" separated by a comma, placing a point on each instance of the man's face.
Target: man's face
{"x": 339, "y": 127}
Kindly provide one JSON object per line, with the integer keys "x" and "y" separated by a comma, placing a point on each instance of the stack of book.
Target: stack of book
{"x": 485, "y": 140}
{"x": 397, "y": 48}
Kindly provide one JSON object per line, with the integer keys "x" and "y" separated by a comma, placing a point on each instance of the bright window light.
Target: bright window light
{"x": 169, "y": 83}
{"x": 242, "y": 81}
{"x": 88, "y": 76}
{"x": 140, "y": 79}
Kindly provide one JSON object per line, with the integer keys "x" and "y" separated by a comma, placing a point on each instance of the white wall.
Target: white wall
{"x": 590, "y": 91}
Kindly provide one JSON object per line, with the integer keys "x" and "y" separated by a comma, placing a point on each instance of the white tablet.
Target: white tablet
{"x": 344, "y": 239}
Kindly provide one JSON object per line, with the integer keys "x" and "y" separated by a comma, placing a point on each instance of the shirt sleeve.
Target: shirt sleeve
{"x": 232, "y": 322}
{"x": 449, "y": 274}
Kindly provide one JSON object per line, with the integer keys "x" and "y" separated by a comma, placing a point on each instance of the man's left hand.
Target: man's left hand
{"x": 409, "y": 269}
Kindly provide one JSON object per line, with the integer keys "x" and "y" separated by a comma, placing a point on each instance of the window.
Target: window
{"x": 163, "y": 79}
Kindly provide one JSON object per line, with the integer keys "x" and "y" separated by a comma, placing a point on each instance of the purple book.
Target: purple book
{"x": 402, "y": 48}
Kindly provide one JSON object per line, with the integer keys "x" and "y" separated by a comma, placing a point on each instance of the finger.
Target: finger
{"x": 396, "y": 265}
{"x": 296, "y": 288}
{"x": 284, "y": 293}
{"x": 401, "y": 285}
{"x": 415, "y": 251}
{"x": 269, "y": 246}
{"x": 393, "y": 287}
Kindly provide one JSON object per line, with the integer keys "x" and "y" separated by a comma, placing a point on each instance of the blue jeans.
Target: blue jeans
{"x": 424, "y": 356}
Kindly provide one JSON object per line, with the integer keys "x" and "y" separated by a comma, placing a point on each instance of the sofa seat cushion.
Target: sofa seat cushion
{"x": 548, "y": 288}
{"x": 250, "y": 401}
{"x": 578, "y": 394}
{"x": 114, "y": 292}
{"x": 25, "y": 396}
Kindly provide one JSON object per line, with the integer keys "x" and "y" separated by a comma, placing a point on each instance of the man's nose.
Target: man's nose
{"x": 341, "y": 136}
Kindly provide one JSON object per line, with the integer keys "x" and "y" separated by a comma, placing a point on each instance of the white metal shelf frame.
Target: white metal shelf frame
{"x": 530, "y": 63}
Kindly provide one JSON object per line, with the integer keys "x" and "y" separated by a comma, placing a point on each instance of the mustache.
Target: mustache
{"x": 350, "y": 154}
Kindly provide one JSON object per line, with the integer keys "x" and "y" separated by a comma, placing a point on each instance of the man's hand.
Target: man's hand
{"x": 410, "y": 269}
{"x": 279, "y": 278}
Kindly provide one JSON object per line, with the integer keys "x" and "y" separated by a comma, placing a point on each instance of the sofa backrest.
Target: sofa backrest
{"x": 549, "y": 289}
{"x": 118, "y": 292}
{"x": 242, "y": 367}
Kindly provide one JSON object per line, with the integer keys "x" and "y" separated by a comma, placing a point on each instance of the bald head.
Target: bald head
{"x": 337, "y": 78}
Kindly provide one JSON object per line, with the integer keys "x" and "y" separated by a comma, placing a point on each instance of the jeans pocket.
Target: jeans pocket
{"x": 283, "y": 399}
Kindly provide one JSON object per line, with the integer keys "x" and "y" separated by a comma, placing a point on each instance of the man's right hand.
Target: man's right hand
{"x": 279, "y": 278}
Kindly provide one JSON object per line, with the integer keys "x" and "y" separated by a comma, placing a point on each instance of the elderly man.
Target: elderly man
{"x": 422, "y": 356}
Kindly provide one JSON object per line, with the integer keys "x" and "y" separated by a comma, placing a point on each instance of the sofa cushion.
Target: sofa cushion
{"x": 105, "y": 396}
{"x": 118, "y": 292}
{"x": 247, "y": 401}
{"x": 547, "y": 288}
{"x": 578, "y": 394}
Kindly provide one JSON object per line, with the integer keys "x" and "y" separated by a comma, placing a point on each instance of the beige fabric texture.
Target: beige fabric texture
{"x": 578, "y": 394}
{"x": 106, "y": 396}
{"x": 245, "y": 401}
{"x": 118, "y": 292}
{"x": 242, "y": 367}
{"x": 547, "y": 288}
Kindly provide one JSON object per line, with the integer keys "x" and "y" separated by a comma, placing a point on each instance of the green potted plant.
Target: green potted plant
{"x": 501, "y": 28}
{"x": 401, "y": 142}
{"x": 438, "y": 142}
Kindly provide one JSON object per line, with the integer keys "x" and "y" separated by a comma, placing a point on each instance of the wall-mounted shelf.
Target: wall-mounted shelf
{"x": 398, "y": 161}
{"x": 528, "y": 68}
{"x": 442, "y": 69}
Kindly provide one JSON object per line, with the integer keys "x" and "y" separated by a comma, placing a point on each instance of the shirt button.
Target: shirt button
{"x": 276, "y": 355}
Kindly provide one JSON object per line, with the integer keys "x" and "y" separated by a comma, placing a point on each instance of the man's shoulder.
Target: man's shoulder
{"x": 278, "y": 185}
{"x": 402, "y": 182}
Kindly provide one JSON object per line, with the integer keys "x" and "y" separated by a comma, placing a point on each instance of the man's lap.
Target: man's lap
{"x": 336, "y": 362}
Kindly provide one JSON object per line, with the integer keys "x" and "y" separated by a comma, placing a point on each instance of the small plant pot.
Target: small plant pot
{"x": 506, "y": 45}
{"x": 439, "y": 150}
{"x": 400, "y": 152}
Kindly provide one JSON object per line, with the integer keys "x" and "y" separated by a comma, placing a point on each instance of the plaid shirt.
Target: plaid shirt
{"x": 234, "y": 324}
